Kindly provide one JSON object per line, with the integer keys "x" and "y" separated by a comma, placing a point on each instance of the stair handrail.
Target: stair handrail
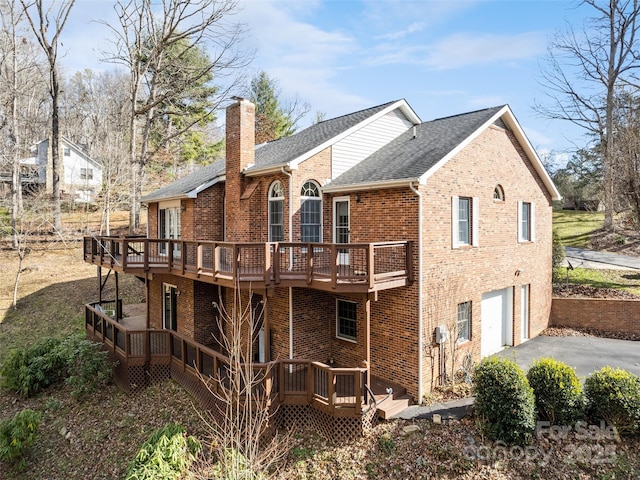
{"x": 373, "y": 403}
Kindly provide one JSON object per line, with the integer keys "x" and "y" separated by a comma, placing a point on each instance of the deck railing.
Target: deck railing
{"x": 360, "y": 266}
{"x": 336, "y": 391}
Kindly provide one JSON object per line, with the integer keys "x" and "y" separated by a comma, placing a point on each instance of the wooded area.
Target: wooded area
{"x": 146, "y": 119}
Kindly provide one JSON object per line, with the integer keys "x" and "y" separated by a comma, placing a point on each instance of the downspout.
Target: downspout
{"x": 290, "y": 240}
{"x": 420, "y": 321}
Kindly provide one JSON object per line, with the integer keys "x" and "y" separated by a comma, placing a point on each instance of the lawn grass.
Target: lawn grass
{"x": 575, "y": 227}
{"x": 627, "y": 280}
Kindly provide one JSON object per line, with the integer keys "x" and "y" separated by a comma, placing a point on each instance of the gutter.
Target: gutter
{"x": 290, "y": 240}
{"x": 358, "y": 187}
{"x": 420, "y": 319}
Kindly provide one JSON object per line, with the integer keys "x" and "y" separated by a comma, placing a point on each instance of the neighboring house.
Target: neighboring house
{"x": 80, "y": 175}
{"x": 365, "y": 238}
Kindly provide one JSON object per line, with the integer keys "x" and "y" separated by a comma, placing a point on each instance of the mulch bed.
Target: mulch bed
{"x": 587, "y": 291}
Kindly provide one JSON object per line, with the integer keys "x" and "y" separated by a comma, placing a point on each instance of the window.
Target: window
{"x": 66, "y": 151}
{"x": 86, "y": 173}
{"x": 276, "y": 212}
{"x": 169, "y": 228}
{"x": 465, "y": 213}
{"x": 464, "y": 322}
{"x": 498, "y": 194}
{"x": 346, "y": 320}
{"x": 310, "y": 213}
{"x": 524, "y": 311}
{"x": 526, "y": 222}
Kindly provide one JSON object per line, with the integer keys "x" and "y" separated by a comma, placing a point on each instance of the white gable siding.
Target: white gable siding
{"x": 359, "y": 145}
{"x": 73, "y": 171}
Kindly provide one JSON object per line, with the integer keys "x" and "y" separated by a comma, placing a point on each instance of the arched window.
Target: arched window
{"x": 276, "y": 212}
{"x": 498, "y": 193}
{"x": 310, "y": 213}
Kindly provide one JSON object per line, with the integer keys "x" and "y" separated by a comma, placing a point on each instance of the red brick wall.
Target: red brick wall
{"x": 453, "y": 276}
{"x": 209, "y": 213}
{"x": 598, "y": 313}
{"x": 194, "y": 307}
{"x": 240, "y": 143}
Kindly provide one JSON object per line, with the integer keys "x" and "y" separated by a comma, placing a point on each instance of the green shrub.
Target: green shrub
{"x": 87, "y": 366}
{"x": 557, "y": 391}
{"x": 613, "y": 395}
{"x": 17, "y": 435}
{"x": 27, "y": 371}
{"x": 557, "y": 254}
{"x": 166, "y": 455}
{"x": 505, "y": 405}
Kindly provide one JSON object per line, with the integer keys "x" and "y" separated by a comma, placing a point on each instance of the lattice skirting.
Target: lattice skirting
{"x": 132, "y": 378}
{"x": 336, "y": 429}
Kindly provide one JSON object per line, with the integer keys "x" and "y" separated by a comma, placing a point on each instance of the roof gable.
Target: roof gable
{"x": 190, "y": 185}
{"x": 290, "y": 151}
{"x": 415, "y": 155}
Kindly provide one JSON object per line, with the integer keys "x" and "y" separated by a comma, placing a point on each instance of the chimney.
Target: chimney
{"x": 240, "y": 153}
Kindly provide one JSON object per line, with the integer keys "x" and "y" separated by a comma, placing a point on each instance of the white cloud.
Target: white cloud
{"x": 413, "y": 28}
{"x": 304, "y": 58}
{"x": 462, "y": 50}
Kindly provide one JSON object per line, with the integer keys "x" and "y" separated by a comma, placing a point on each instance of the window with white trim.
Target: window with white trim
{"x": 276, "y": 212}
{"x": 526, "y": 222}
{"x": 464, "y": 322}
{"x": 86, "y": 173}
{"x": 465, "y": 212}
{"x": 498, "y": 193}
{"x": 310, "y": 213}
{"x": 346, "y": 320}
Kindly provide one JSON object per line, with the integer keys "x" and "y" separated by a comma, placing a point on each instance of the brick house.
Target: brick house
{"x": 384, "y": 252}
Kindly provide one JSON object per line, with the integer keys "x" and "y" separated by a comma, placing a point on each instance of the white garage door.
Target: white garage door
{"x": 496, "y": 321}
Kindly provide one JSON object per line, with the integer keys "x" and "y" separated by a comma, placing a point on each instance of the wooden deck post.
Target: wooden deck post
{"x": 367, "y": 337}
{"x": 371, "y": 265}
{"x": 117, "y": 309}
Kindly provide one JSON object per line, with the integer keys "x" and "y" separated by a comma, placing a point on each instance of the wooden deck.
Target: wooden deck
{"x": 338, "y": 392}
{"x": 353, "y": 268}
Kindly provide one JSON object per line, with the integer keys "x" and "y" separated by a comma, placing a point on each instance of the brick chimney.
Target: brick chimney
{"x": 240, "y": 152}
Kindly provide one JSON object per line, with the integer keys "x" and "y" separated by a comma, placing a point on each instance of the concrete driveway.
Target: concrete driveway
{"x": 585, "y": 354}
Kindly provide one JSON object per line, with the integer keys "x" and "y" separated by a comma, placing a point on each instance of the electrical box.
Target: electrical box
{"x": 442, "y": 334}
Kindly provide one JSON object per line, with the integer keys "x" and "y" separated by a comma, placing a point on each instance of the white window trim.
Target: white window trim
{"x": 474, "y": 222}
{"x": 319, "y": 199}
{"x": 525, "y": 317}
{"x": 275, "y": 199}
{"x": 463, "y": 340}
{"x": 338, "y": 335}
{"x": 532, "y": 222}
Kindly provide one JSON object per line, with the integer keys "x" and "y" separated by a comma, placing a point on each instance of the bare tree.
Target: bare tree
{"x": 150, "y": 38}
{"x": 243, "y": 436}
{"x": 40, "y": 19}
{"x": 21, "y": 96}
{"x": 96, "y": 113}
{"x": 584, "y": 71}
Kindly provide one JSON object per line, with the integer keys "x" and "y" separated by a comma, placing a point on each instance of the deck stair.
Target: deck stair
{"x": 389, "y": 405}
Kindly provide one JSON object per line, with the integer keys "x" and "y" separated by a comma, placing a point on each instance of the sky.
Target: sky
{"x": 443, "y": 57}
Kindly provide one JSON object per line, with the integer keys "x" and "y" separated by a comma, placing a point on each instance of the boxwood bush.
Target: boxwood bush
{"x": 613, "y": 395}
{"x": 505, "y": 406}
{"x": 557, "y": 391}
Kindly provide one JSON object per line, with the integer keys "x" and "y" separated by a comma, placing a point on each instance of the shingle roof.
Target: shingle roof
{"x": 406, "y": 157}
{"x": 191, "y": 182}
{"x": 284, "y": 150}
